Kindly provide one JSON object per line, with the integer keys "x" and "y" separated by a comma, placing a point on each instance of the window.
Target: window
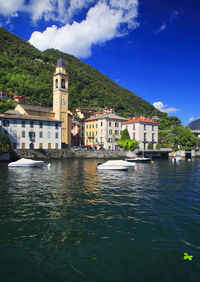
{"x": 49, "y": 145}
{"x": 23, "y": 146}
{"x": 31, "y": 134}
{"x": 93, "y": 126}
{"x": 56, "y": 83}
{"x": 31, "y": 146}
{"x": 109, "y": 140}
{"x": 109, "y": 123}
{"x": 110, "y": 131}
{"x": 86, "y": 133}
{"x": 96, "y": 133}
{"x": 23, "y": 123}
{"x": 41, "y": 145}
{"x": 145, "y": 137}
{"x": 41, "y": 124}
{"x": 133, "y": 126}
{"x": 101, "y": 123}
{"x": 116, "y": 132}
{"x": 90, "y": 125}
{"x": 31, "y": 124}
{"x": 23, "y": 134}
{"x": 56, "y": 145}
{"x": 49, "y": 124}
{"x": 101, "y": 131}
{"x": 56, "y": 135}
{"x": 86, "y": 126}
{"x": 40, "y": 134}
{"x": 96, "y": 125}
{"x": 96, "y": 140}
{"x": 145, "y": 127}
{"x": 90, "y": 133}
{"x": 57, "y": 125}
{"x": 62, "y": 83}
{"x": 153, "y": 137}
{"x": 116, "y": 124}
{"x": 6, "y": 122}
{"x": 153, "y": 128}
{"x": 48, "y": 134}
{"x": 133, "y": 135}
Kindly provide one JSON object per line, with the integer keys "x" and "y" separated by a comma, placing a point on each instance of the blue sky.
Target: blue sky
{"x": 149, "y": 47}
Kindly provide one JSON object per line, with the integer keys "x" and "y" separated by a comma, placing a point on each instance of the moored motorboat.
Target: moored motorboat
{"x": 26, "y": 163}
{"x": 116, "y": 165}
{"x": 140, "y": 160}
{"x": 176, "y": 159}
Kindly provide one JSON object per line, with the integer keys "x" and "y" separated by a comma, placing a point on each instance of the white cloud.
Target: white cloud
{"x": 191, "y": 119}
{"x": 38, "y": 9}
{"x": 103, "y": 22}
{"x": 77, "y": 5}
{"x": 163, "y": 27}
{"x": 163, "y": 108}
{"x": 10, "y": 7}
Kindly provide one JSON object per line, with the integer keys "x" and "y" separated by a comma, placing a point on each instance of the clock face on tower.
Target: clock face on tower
{"x": 63, "y": 102}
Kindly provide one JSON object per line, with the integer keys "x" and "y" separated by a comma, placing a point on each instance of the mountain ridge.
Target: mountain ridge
{"x": 26, "y": 71}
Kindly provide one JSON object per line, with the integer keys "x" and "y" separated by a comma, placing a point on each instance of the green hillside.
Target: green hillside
{"x": 26, "y": 71}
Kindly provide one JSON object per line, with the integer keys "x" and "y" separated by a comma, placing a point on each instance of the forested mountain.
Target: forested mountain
{"x": 28, "y": 72}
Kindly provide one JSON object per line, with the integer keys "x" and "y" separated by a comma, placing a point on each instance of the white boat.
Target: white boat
{"x": 25, "y": 163}
{"x": 116, "y": 165}
{"x": 176, "y": 159}
{"x": 140, "y": 160}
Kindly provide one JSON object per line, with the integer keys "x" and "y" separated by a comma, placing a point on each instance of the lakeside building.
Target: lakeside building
{"x": 143, "y": 130}
{"x": 42, "y": 119}
{"x": 26, "y": 132}
{"x": 103, "y": 131}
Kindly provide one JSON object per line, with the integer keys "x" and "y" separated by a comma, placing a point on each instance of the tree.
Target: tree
{"x": 128, "y": 144}
{"x": 125, "y": 135}
{"x": 166, "y": 123}
{"x": 183, "y": 137}
{"x": 150, "y": 146}
{"x": 165, "y": 138}
{"x": 6, "y": 105}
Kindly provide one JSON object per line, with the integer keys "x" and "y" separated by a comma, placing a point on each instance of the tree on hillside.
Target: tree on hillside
{"x": 6, "y": 105}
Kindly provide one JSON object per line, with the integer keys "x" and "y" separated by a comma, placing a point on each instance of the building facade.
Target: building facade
{"x": 103, "y": 131}
{"x": 143, "y": 130}
{"x": 31, "y": 132}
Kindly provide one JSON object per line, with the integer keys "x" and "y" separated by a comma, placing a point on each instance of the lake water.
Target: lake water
{"x": 72, "y": 223}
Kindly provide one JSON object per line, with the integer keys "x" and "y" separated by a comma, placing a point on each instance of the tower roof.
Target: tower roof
{"x": 60, "y": 63}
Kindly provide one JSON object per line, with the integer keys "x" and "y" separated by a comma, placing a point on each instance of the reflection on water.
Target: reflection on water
{"x": 73, "y": 222}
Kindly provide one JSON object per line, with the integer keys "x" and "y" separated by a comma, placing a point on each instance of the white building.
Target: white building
{"x": 143, "y": 130}
{"x": 103, "y": 130}
{"x": 27, "y": 132}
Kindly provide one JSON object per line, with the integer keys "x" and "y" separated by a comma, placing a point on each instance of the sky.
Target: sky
{"x": 150, "y": 47}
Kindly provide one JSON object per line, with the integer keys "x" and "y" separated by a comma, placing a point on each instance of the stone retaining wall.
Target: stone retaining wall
{"x": 67, "y": 153}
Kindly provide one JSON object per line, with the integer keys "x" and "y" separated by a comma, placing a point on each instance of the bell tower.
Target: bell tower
{"x": 60, "y": 99}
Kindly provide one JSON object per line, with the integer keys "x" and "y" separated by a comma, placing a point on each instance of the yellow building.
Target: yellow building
{"x": 91, "y": 132}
